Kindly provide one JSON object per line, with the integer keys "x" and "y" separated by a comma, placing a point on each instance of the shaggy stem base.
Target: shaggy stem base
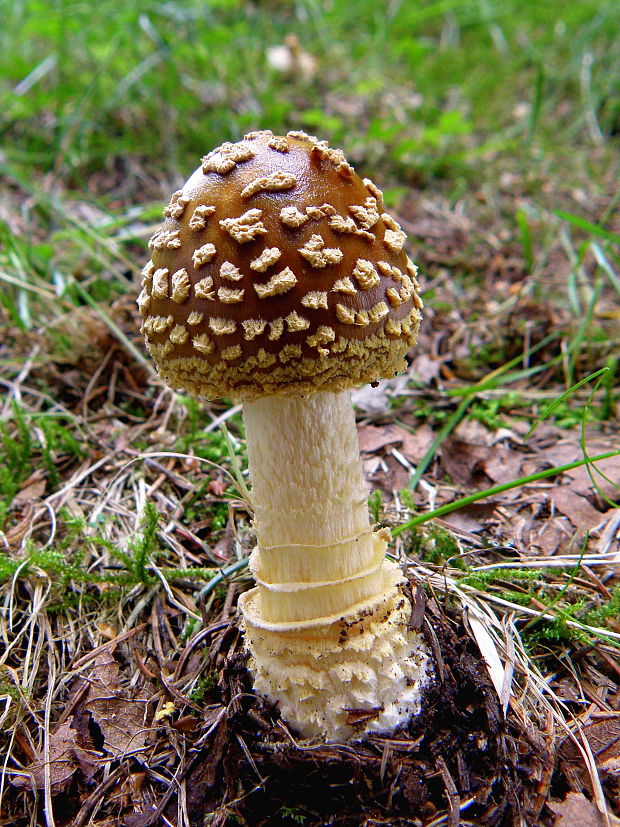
{"x": 327, "y": 622}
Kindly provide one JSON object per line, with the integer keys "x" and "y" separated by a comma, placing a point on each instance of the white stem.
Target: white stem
{"x": 327, "y": 624}
{"x": 316, "y": 551}
{"x": 304, "y": 461}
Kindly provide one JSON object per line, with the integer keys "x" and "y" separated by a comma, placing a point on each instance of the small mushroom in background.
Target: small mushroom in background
{"x": 290, "y": 59}
{"x": 279, "y": 279}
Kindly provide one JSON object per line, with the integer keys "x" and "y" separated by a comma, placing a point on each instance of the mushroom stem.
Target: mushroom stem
{"x": 316, "y": 553}
{"x": 327, "y": 623}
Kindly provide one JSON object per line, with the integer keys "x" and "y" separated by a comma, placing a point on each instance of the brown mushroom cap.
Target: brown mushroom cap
{"x": 277, "y": 271}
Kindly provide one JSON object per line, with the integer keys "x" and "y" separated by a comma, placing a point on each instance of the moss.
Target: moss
{"x": 434, "y": 544}
{"x": 293, "y": 814}
{"x": 548, "y": 633}
{"x": 608, "y": 611}
{"x": 203, "y": 686}
{"x": 482, "y": 579}
{"x": 11, "y": 690}
{"x": 375, "y": 506}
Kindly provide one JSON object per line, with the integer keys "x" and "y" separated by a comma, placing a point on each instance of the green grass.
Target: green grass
{"x": 17, "y": 450}
{"x": 429, "y": 86}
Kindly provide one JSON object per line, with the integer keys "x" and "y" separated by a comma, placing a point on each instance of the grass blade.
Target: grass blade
{"x": 588, "y": 226}
{"x": 499, "y": 489}
{"x": 553, "y": 405}
{"x": 114, "y": 328}
{"x": 447, "y": 428}
{"x": 491, "y": 380}
{"x": 604, "y": 264}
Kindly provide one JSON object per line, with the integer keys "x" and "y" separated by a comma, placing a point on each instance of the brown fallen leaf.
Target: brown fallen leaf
{"x": 33, "y": 491}
{"x": 387, "y": 474}
{"x": 610, "y": 467}
{"x": 425, "y": 368}
{"x": 15, "y": 535}
{"x": 576, "y": 507}
{"x": 603, "y": 737}
{"x": 545, "y": 434}
{"x": 120, "y": 716}
{"x": 577, "y": 811}
{"x": 66, "y": 754}
{"x": 373, "y": 438}
{"x": 464, "y": 462}
{"x": 472, "y": 456}
{"x": 376, "y": 400}
{"x": 546, "y": 537}
{"x": 569, "y": 450}
{"x": 415, "y": 445}
{"x": 471, "y": 518}
{"x": 503, "y": 465}
{"x": 473, "y": 432}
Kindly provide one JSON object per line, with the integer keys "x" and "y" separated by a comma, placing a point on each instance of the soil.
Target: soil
{"x": 461, "y": 758}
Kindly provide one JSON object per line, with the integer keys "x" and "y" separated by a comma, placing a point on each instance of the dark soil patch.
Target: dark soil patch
{"x": 460, "y": 758}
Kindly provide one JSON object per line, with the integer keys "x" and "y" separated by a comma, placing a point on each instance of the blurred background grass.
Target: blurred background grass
{"x": 417, "y": 89}
{"x": 484, "y": 122}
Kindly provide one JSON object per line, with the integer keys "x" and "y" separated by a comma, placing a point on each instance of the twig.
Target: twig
{"x": 441, "y": 669}
{"x": 454, "y": 800}
{"x": 105, "y": 646}
{"x": 91, "y": 802}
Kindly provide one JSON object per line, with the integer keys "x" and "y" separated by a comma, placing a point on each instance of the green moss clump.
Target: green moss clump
{"x": 434, "y": 544}
{"x": 202, "y": 687}
{"x": 609, "y": 611}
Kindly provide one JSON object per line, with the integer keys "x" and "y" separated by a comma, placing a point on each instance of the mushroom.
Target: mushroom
{"x": 279, "y": 279}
